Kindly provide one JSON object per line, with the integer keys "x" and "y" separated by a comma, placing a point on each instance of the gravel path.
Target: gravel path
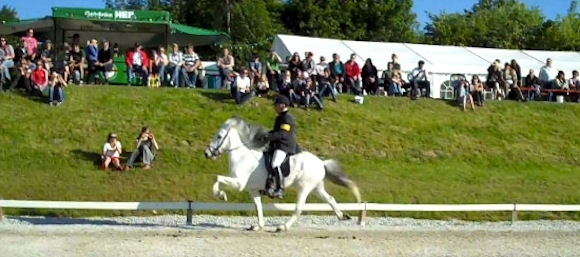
{"x": 312, "y": 236}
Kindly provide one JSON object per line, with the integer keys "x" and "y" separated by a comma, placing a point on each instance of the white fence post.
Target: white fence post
{"x": 514, "y": 214}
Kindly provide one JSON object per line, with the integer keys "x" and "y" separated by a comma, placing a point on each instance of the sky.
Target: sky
{"x": 39, "y": 8}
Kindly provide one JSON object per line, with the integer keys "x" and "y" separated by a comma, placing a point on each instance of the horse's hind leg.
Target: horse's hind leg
{"x": 302, "y": 195}
{"x": 321, "y": 192}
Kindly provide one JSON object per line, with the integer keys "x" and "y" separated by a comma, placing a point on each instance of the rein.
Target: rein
{"x": 216, "y": 150}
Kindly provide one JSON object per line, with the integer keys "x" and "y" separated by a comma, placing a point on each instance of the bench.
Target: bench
{"x": 549, "y": 93}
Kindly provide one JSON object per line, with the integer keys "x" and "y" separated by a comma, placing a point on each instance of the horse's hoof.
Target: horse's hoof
{"x": 281, "y": 228}
{"x": 223, "y": 196}
{"x": 255, "y": 228}
{"x": 346, "y": 217}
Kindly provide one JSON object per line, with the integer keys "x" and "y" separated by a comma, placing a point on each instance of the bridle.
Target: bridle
{"x": 215, "y": 151}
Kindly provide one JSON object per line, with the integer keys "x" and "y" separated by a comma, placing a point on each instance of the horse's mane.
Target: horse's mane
{"x": 250, "y": 134}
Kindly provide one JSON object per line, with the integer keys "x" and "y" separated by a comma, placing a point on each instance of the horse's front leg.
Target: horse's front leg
{"x": 227, "y": 181}
{"x": 258, "y": 202}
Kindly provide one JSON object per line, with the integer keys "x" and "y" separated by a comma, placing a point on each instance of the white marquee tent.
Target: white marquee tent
{"x": 440, "y": 61}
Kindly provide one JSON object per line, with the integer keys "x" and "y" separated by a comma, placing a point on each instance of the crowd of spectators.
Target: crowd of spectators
{"x": 46, "y": 70}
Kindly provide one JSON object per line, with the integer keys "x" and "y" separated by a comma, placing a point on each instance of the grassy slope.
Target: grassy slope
{"x": 398, "y": 151}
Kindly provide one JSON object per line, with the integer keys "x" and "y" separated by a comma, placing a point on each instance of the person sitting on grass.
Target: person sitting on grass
{"x": 111, "y": 152}
{"x": 57, "y": 83}
{"x": 39, "y": 79}
{"x": 146, "y": 147}
{"x": 307, "y": 94}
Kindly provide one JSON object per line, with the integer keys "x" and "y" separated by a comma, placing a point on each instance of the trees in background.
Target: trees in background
{"x": 489, "y": 23}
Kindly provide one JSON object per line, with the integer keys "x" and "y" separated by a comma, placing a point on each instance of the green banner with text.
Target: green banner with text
{"x": 110, "y": 14}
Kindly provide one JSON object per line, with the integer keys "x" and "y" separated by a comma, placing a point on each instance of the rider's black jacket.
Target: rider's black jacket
{"x": 283, "y": 135}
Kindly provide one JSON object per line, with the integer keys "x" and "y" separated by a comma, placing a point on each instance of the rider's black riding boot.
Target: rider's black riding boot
{"x": 280, "y": 183}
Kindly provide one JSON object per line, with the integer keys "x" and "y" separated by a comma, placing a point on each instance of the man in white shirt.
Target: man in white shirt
{"x": 323, "y": 80}
{"x": 243, "y": 86}
{"x": 419, "y": 81}
{"x": 547, "y": 74}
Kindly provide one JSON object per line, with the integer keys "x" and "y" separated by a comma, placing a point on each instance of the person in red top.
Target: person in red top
{"x": 353, "y": 73}
{"x": 138, "y": 62}
{"x": 39, "y": 79}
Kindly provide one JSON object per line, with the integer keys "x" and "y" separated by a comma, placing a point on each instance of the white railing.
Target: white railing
{"x": 191, "y": 206}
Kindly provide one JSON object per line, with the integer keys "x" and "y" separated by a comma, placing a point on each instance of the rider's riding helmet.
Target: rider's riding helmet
{"x": 282, "y": 99}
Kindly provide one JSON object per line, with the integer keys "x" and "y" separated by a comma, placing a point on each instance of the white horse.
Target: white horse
{"x": 244, "y": 145}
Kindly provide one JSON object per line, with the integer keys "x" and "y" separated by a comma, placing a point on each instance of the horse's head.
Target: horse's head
{"x": 224, "y": 140}
{"x": 235, "y": 133}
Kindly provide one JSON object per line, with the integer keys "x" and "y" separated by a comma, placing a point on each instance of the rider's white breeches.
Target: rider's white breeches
{"x": 278, "y": 158}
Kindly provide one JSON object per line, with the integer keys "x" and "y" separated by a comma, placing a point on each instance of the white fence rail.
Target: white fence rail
{"x": 191, "y": 206}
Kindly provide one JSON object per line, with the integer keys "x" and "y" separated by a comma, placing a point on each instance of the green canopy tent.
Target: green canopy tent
{"x": 124, "y": 27}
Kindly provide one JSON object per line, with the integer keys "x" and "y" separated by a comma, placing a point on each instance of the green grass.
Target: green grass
{"x": 397, "y": 150}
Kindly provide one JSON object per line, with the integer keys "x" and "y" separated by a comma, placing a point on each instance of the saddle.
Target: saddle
{"x": 285, "y": 167}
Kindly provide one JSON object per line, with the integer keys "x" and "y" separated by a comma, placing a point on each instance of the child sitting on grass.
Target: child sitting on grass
{"x": 111, "y": 152}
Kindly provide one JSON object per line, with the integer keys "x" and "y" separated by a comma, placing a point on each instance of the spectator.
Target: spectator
{"x": 397, "y": 84}
{"x": 256, "y": 69}
{"x": 175, "y": 64}
{"x": 419, "y": 81}
{"x": 559, "y": 82}
{"x": 226, "y": 65}
{"x": 57, "y": 83}
{"x": 105, "y": 60}
{"x": 465, "y": 94}
{"x": 273, "y": 68}
{"x": 533, "y": 82}
{"x": 511, "y": 79}
{"x": 77, "y": 64}
{"x": 39, "y": 79}
{"x": 92, "y": 59}
{"x": 337, "y": 72}
{"x": 516, "y": 67}
{"x": 295, "y": 66}
{"x": 574, "y": 82}
{"x": 146, "y": 148}
{"x": 262, "y": 86}
{"x": 31, "y": 43}
{"x": 161, "y": 62}
{"x": 138, "y": 62}
{"x": 369, "y": 76}
{"x": 48, "y": 54}
{"x": 495, "y": 79}
{"x": 6, "y": 61}
{"x": 286, "y": 88}
{"x": 111, "y": 152}
{"x": 243, "y": 92}
{"x": 191, "y": 63}
{"x": 547, "y": 74}
{"x": 353, "y": 78}
{"x": 478, "y": 89}
{"x": 323, "y": 80}
{"x": 392, "y": 67}
{"x": 306, "y": 92}
{"x": 309, "y": 65}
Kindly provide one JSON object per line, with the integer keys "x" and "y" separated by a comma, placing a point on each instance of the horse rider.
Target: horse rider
{"x": 282, "y": 142}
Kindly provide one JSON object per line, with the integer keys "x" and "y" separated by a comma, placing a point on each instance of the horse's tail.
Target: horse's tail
{"x": 336, "y": 175}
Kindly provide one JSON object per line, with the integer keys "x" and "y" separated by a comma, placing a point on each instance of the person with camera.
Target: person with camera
{"x": 145, "y": 148}
{"x": 56, "y": 88}
{"x": 111, "y": 152}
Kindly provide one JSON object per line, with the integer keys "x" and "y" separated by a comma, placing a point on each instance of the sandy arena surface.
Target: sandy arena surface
{"x": 312, "y": 236}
